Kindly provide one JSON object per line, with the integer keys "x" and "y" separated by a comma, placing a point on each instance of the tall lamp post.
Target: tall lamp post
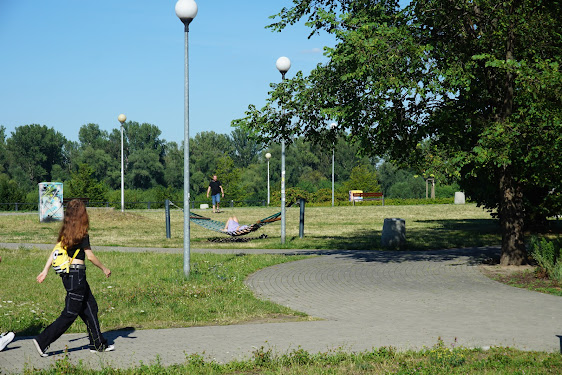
{"x": 283, "y": 64}
{"x": 333, "y": 125}
{"x": 186, "y": 10}
{"x": 122, "y": 118}
{"x": 268, "y": 156}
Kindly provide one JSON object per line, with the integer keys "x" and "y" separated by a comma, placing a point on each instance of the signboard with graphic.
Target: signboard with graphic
{"x": 50, "y": 201}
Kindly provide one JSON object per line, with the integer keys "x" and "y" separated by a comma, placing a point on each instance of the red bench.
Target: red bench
{"x": 368, "y": 197}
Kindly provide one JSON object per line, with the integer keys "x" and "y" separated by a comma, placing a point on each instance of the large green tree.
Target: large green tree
{"x": 91, "y": 135}
{"x": 245, "y": 149}
{"x": 82, "y": 184}
{"x": 173, "y": 165}
{"x": 205, "y": 150}
{"x": 3, "y": 151}
{"x": 34, "y": 149}
{"x": 477, "y": 79}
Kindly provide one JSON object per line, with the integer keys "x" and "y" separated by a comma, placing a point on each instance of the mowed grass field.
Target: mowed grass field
{"x": 340, "y": 227}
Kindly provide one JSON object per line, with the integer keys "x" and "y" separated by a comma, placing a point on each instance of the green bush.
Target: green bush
{"x": 416, "y": 201}
{"x": 322, "y": 195}
{"x": 548, "y": 256}
{"x": 82, "y": 184}
{"x": 446, "y": 191}
{"x": 292, "y": 195}
{"x": 10, "y": 192}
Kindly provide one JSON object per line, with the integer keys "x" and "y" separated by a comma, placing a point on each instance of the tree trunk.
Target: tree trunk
{"x": 511, "y": 221}
{"x": 511, "y": 201}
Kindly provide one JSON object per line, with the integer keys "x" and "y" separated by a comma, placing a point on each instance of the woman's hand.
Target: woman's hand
{"x": 42, "y": 276}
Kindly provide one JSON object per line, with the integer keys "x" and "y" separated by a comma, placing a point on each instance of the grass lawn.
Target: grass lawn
{"x": 439, "y": 359}
{"x": 145, "y": 291}
{"x": 137, "y": 296}
{"x": 344, "y": 227}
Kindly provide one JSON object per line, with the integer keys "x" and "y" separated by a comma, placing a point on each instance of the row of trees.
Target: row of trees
{"x": 91, "y": 167}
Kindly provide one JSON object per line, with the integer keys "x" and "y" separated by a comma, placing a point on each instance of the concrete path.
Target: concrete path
{"x": 362, "y": 300}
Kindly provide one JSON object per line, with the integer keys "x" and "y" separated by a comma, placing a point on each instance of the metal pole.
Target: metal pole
{"x": 122, "y": 174}
{"x": 283, "y": 215}
{"x": 283, "y": 64}
{"x": 268, "y": 182}
{"x": 186, "y": 228}
{"x": 333, "y": 161}
{"x": 301, "y": 221}
{"x": 167, "y": 212}
{"x": 283, "y": 189}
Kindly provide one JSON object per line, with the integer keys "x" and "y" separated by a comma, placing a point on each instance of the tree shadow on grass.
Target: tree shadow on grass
{"x": 434, "y": 234}
{"x": 438, "y": 240}
{"x": 464, "y": 256}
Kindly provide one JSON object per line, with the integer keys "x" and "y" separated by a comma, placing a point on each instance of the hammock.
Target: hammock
{"x": 217, "y": 226}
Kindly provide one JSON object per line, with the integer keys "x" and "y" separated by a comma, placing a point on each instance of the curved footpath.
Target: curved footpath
{"x": 363, "y": 300}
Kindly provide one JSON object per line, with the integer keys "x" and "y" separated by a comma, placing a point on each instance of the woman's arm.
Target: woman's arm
{"x": 92, "y": 258}
{"x": 45, "y": 271}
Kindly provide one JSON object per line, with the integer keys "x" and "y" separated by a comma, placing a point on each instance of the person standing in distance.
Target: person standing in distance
{"x": 80, "y": 301}
{"x": 215, "y": 188}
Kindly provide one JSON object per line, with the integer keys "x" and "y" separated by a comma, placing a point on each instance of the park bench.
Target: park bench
{"x": 85, "y": 200}
{"x": 368, "y": 197}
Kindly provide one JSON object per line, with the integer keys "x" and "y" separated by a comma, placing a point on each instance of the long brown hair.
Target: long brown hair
{"x": 75, "y": 224}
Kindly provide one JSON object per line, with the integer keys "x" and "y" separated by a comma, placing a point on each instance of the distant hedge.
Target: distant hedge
{"x": 387, "y": 202}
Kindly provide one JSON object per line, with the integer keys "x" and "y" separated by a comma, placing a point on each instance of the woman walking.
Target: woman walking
{"x": 80, "y": 301}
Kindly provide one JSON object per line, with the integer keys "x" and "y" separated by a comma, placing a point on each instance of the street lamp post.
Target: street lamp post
{"x": 268, "y": 156}
{"x": 186, "y": 10}
{"x": 283, "y": 64}
{"x": 122, "y": 118}
{"x": 333, "y": 163}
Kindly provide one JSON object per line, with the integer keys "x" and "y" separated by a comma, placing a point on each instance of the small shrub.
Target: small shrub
{"x": 443, "y": 356}
{"x": 263, "y": 357}
{"x": 548, "y": 257}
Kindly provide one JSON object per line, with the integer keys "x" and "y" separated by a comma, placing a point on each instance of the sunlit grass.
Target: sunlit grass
{"x": 146, "y": 290}
{"x": 341, "y": 227}
{"x": 439, "y": 359}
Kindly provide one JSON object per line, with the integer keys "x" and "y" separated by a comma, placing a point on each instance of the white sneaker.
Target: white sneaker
{"x": 5, "y": 339}
{"x": 104, "y": 348}
{"x": 41, "y": 353}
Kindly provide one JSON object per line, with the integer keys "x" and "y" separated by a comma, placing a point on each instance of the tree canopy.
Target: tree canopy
{"x": 473, "y": 84}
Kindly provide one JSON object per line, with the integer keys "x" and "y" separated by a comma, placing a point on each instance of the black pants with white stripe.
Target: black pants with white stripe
{"x": 79, "y": 302}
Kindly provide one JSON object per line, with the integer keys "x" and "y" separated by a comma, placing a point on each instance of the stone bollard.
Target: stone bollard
{"x": 459, "y": 197}
{"x": 203, "y": 206}
{"x": 394, "y": 233}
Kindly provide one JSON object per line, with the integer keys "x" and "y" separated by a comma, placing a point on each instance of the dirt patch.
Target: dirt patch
{"x": 495, "y": 271}
{"x": 279, "y": 318}
{"x": 529, "y": 277}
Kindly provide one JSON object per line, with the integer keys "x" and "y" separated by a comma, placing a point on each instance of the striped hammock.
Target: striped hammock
{"x": 217, "y": 226}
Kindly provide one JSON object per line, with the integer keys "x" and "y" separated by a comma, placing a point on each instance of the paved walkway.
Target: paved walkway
{"x": 362, "y": 300}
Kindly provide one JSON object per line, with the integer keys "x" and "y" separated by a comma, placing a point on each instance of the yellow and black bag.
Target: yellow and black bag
{"x": 61, "y": 261}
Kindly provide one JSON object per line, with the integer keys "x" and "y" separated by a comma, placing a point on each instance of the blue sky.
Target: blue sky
{"x": 66, "y": 63}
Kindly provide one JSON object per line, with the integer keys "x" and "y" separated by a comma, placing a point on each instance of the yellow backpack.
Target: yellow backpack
{"x": 61, "y": 261}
